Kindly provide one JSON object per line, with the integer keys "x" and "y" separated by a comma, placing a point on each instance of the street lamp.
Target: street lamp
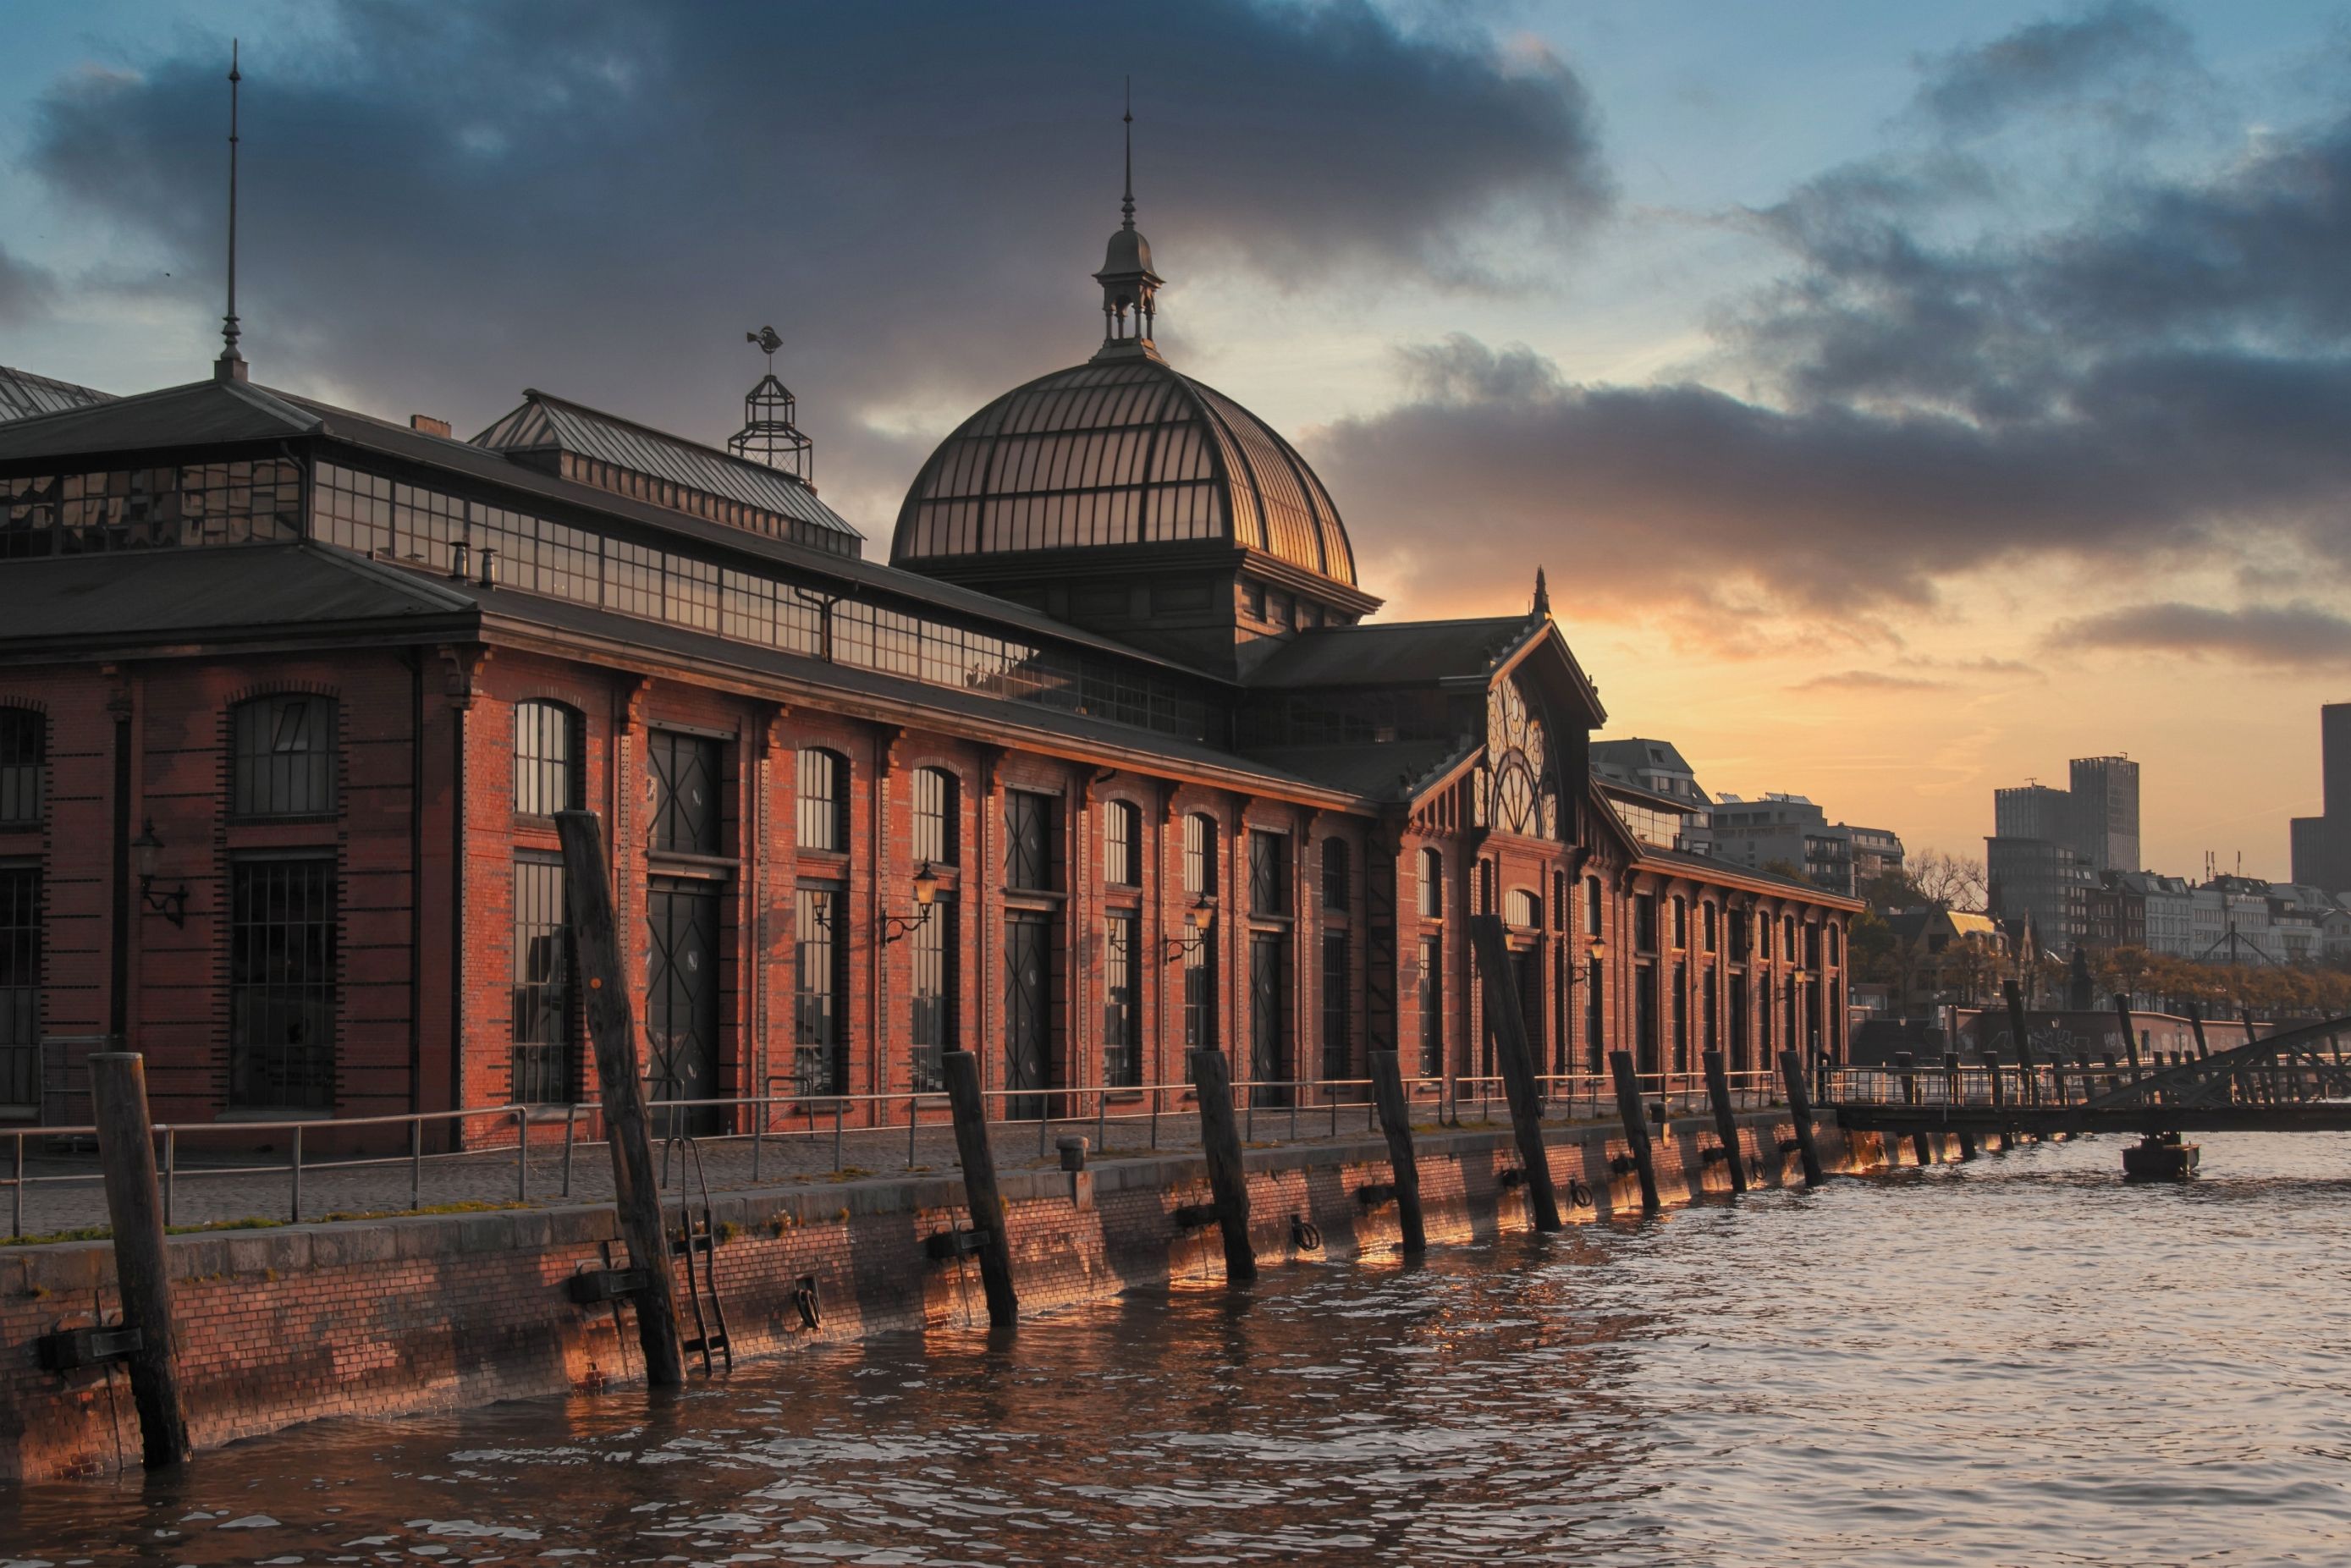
{"x": 926, "y": 894}
{"x": 172, "y": 905}
{"x": 1201, "y": 914}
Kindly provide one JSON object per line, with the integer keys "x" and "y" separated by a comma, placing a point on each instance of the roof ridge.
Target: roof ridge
{"x": 272, "y": 402}
{"x": 406, "y": 579}
{"x": 534, "y": 394}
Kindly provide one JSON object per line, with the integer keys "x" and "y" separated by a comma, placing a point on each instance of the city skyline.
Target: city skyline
{"x": 1613, "y": 255}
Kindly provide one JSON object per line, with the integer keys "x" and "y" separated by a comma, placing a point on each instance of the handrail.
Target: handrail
{"x": 1153, "y": 1103}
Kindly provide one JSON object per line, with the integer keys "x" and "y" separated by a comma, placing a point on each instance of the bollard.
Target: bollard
{"x": 1221, "y": 1141}
{"x": 612, "y": 1029}
{"x": 126, "y": 1152}
{"x": 1506, "y": 1026}
{"x": 1636, "y": 1125}
{"x": 1725, "y": 1124}
{"x": 982, "y": 1201}
{"x": 1799, "y": 1105}
{"x": 1403, "y": 1164}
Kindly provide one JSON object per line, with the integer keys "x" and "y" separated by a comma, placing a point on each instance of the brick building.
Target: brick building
{"x": 1104, "y": 764}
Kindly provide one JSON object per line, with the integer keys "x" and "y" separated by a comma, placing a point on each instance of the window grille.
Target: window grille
{"x": 1338, "y": 1056}
{"x": 282, "y": 984}
{"x": 820, "y": 1020}
{"x": 544, "y": 1035}
{"x": 685, "y": 792}
{"x": 23, "y": 736}
{"x": 1431, "y": 997}
{"x": 1432, "y": 885}
{"x": 283, "y": 762}
{"x": 823, "y": 799}
{"x": 935, "y": 818}
{"x": 1122, "y": 840}
{"x": 20, "y": 987}
{"x": 1268, "y": 874}
{"x": 932, "y": 1002}
{"x": 547, "y": 756}
{"x": 1122, "y": 1015}
{"x": 1200, "y": 856}
{"x": 1031, "y": 842}
{"x": 1336, "y": 868}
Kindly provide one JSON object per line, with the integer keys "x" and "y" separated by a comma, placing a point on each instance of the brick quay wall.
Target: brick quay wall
{"x": 449, "y": 1311}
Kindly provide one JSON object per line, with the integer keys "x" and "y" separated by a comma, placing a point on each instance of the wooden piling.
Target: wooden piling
{"x": 1506, "y": 1026}
{"x": 1952, "y": 1096}
{"x": 2130, "y": 1033}
{"x": 1221, "y": 1141}
{"x": 1799, "y": 1105}
{"x": 1403, "y": 1164}
{"x": 2196, "y": 1022}
{"x": 2030, "y": 1083}
{"x": 982, "y": 1201}
{"x": 1999, "y": 1101}
{"x": 1726, "y": 1123}
{"x": 126, "y": 1153}
{"x": 1630, "y": 1111}
{"x": 612, "y": 1029}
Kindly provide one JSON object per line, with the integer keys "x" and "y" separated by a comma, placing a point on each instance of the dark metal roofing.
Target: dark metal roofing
{"x": 1401, "y": 652}
{"x": 200, "y": 413}
{"x": 1390, "y": 772}
{"x": 546, "y": 422}
{"x": 1719, "y": 871}
{"x": 1124, "y": 452}
{"x": 24, "y": 395}
{"x": 249, "y": 591}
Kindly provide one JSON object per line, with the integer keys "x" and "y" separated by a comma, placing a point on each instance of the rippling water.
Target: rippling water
{"x": 2019, "y": 1361}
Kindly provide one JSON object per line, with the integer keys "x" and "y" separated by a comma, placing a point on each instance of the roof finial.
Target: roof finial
{"x": 1128, "y": 205}
{"x": 1543, "y": 594}
{"x": 230, "y": 366}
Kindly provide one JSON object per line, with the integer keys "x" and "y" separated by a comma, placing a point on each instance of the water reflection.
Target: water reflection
{"x": 2022, "y": 1360}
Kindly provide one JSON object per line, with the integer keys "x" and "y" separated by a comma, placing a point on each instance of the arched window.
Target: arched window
{"x": 1432, "y": 884}
{"x": 24, "y": 745}
{"x": 1592, "y": 907}
{"x": 1337, "y": 885}
{"x": 1833, "y": 955}
{"x": 1200, "y": 856}
{"x": 936, "y": 817}
{"x": 546, "y": 752}
{"x": 282, "y": 756}
{"x": 823, "y": 799}
{"x": 1123, "y": 844}
{"x": 1522, "y": 909}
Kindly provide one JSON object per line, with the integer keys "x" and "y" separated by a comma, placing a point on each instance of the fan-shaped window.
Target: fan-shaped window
{"x": 24, "y": 743}
{"x": 548, "y": 758}
{"x": 1123, "y": 845}
{"x": 936, "y": 816}
{"x": 1519, "y": 773}
{"x": 1200, "y": 856}
{"x": 823, "y": 799}
{"x": 282, "y": 761}
{"x": 1432, "y": 885}
{"x": 1336, "y": 882}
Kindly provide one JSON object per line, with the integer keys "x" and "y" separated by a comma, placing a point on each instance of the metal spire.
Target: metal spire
{"x": 230, "y": 366}
{"x": 1128, "y": 205}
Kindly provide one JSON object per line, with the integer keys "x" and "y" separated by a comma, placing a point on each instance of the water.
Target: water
{"x": 2019, "y": 1361}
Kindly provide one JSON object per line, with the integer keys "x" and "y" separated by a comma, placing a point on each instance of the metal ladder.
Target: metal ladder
{"x": 698, "y": 1238}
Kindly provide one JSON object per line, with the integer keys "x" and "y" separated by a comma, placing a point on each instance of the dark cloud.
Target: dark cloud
{"x": 2299, "y": 635}
{"x": 2108, "y": 58}
{"x": 603, "y": 197}
{"x": 25, "y": 290}
{"x": 2156, "y": 377}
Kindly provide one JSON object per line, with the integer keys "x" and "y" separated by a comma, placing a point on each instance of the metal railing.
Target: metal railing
{"x": 495, "y": 1137}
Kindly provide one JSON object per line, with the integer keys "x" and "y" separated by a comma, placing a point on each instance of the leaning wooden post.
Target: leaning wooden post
{"x": 1800, "y": 1106}
{"x": 2030, "y": 1081}
{"x": 612, "y": 1029}
{"x": 1725, "y": 1124}
{"x": 2000, "y": 1103}
{"x": 1507, "y": 1026}
{"x": 2196, "y": 1022}
{"x": 126, "y": 1153}
{"x": 1952, "y": 1095}
{"x": 1404, "y": 1165}
{"x": 1221, "y": 1141}
{"x": 981, "y": 1198}
{"x": 1636, "y": 1118}
{"x": 2130, "y": 1033}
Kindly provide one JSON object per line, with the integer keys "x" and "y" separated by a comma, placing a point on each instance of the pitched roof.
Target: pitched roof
{"x": 547, "y": 423}
{"x": 24, "y": 395}
{"x": 199, "y": 413}
{"x": 1396, "y": 653}
{"x": 1392, "y": 773}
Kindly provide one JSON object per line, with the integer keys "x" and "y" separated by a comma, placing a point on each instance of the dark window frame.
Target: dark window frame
{"x": 283, "y": 751}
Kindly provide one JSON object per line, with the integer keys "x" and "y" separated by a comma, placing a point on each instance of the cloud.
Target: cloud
{"x": 1869, "y": 681}
{"x": 1953, "y": 374}
{"x": 2298, "y": 635}
{"x": 26, "y": 291}
{"x": 603, "y": 197}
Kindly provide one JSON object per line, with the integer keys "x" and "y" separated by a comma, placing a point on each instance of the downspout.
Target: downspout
{"x": 416, "y": 880}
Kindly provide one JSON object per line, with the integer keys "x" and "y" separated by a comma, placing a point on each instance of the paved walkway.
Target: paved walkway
{"x": 62, "y": 1191}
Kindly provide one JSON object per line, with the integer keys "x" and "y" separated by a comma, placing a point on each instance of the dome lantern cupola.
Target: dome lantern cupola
{"x": 1129, "y": 289}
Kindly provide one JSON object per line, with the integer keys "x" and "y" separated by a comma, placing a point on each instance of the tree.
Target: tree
{"x": 1947, "y": 881}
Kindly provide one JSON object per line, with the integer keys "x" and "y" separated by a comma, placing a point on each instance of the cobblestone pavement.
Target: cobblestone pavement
{"x": 62, "y": 1190}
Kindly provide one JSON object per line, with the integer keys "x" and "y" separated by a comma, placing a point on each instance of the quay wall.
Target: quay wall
{"x": 446, "y": 1311}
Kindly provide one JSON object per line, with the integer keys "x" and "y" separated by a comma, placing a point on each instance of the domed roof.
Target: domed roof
{"x": 1119, "y": 451}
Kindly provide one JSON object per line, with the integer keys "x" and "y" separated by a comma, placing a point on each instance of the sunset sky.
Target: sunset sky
{"x": 1902, "y": 399}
